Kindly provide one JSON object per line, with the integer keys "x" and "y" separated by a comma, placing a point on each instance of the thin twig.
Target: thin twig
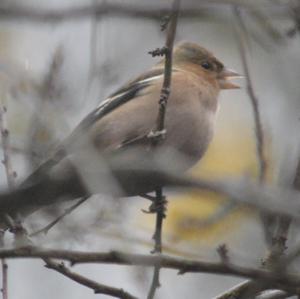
{"x": 240, "y": 290}
{"x": 168, "y": 52}
{"x": 284, "y": 223}
{"x": 15, "y": 226}
{"x": 10, "y": 173}
{"x": 276, "y": 240}
{"x": 95, "y": 286}
{"x": 279, "y": 240}
{"x": 4, "y": 288}
{"x": 3, "y": 267}
{"x": 222, "y": 251}
{"x": 67, "y": 211}
{"x": 160, "y": 215}
{"x": 10, "y": 176}
{"x": 160, "y": 203}
{"x": 296, "y": 252}
{"x": 237, "y": 291}
{"x": 260, "y": 141}
{"x": 267, "y": 220}
{"x": 155, "y": 283}
{"x": 159, "y": 134}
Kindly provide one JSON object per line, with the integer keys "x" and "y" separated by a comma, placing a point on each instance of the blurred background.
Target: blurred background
{"x": 53, "y": 73}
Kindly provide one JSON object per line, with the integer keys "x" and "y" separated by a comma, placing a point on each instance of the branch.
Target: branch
{"x": 42, "y": 15}
{"x": 32, "y": 14}
{"x": 272, "y": 278}
{"x": 243, "y": 191}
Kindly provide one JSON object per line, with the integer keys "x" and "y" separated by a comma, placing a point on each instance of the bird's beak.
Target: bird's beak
{"x": 225, "y": 76}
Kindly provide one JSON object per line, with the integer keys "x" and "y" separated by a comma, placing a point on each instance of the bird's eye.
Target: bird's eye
{"x": 206, "y": 65}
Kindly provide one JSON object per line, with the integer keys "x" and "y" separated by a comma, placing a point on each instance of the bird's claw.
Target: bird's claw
{"x": 157, "y": 135}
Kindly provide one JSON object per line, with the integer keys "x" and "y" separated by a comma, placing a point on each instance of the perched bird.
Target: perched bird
{"x": 118, "y": 129}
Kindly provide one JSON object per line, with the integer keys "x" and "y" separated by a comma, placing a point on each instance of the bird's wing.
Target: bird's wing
{"x": 124, "y": 94}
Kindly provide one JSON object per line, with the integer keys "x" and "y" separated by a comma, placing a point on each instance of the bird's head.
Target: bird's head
{"x": 191, "y": 54}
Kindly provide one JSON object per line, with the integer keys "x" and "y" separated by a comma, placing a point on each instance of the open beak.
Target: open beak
{"x": 225, "y": 76}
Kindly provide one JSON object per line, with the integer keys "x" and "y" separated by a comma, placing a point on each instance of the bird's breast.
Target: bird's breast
{"x": 189, "y": 131}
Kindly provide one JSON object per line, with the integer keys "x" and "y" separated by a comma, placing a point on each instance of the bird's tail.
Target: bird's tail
{"x": 40, "y": 193}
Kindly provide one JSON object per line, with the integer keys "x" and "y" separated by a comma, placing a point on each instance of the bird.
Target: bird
{"x": 117, "y": 131}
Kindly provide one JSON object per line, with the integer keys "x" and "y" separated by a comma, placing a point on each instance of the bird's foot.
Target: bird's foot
{"x": 157, "y": 135}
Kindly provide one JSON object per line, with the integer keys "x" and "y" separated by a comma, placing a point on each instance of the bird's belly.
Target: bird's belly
{"x": 191, "y": 137}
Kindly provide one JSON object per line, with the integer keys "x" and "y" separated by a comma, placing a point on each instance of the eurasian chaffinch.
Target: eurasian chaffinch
{"x": 124, "y": 120}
